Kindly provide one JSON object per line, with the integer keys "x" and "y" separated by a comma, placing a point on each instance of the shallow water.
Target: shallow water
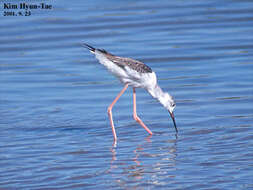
{"x": 55, "y": 133}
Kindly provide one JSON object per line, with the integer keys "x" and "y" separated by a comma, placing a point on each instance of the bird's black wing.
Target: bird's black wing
{"x": 122, "y": 62}
{"x": 131, "y": 63}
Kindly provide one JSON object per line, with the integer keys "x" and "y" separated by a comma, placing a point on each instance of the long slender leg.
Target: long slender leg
{"x": 135, "y": 114}
{"x": 109, "y": 111}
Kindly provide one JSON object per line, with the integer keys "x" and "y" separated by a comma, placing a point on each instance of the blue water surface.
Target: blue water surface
{"x": 54, "y": 129}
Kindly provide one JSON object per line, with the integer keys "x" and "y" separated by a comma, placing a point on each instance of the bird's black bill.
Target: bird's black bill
{"x": 173, "y": 119}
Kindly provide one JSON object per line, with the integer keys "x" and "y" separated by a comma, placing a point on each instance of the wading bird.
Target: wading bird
{"x": 137, "y": 75}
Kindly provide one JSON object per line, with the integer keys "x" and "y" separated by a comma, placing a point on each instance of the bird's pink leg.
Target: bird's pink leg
{"x": 135, "y": 114}
{"x": 109, "y": 111}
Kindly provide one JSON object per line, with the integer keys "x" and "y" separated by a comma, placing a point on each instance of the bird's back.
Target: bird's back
{"x": 128, "y": 70}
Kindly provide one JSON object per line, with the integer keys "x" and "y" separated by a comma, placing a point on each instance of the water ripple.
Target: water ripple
{"x": 55, "y": 133}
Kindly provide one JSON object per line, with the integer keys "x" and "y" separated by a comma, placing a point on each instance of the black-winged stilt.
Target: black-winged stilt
{"x": 138, "y": 75}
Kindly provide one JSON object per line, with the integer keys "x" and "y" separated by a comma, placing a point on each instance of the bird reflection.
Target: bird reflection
{"x": 145, "y": 161}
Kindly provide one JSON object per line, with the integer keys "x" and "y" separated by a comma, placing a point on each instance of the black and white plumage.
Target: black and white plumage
{"x": 136, "y": 74}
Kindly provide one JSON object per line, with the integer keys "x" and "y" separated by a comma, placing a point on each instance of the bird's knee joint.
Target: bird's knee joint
{"x": 136, "y": 118}
{"x": 109, "y": 110}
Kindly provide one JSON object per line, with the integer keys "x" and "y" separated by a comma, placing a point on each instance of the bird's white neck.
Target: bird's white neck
{"x": 157, "y": 93}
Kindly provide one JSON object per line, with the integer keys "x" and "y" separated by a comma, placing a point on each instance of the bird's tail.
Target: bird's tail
{"x": 92, "y": 49}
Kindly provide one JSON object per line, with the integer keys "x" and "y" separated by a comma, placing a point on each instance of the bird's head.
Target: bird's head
{"x": 168, "y": 102}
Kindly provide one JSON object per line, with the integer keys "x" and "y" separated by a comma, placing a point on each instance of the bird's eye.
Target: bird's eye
{"x": 173, "y": 104}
